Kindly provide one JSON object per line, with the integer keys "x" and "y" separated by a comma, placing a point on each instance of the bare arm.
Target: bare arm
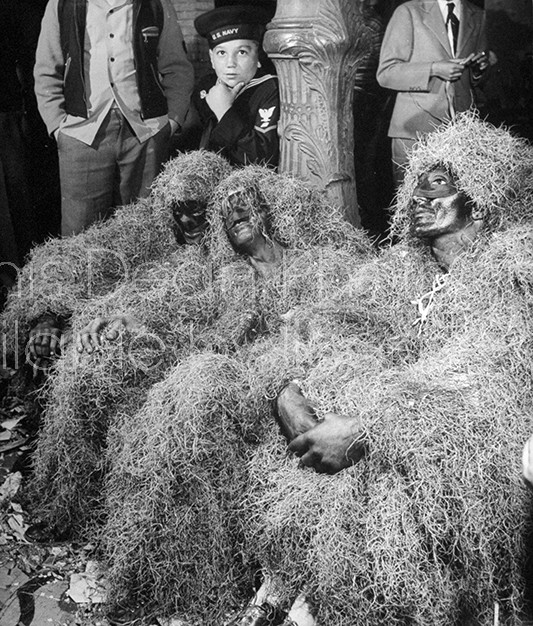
{"x": 63, "y": 274}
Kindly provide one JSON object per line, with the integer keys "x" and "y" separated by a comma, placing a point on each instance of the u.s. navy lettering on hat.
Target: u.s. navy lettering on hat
{"x": 239, "y": 31}
{"x": 226, "y": 23}
{"x": 224, "y": 33}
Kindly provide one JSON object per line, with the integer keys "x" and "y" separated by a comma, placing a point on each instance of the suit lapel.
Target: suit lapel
{"x": 466, "y": 27}
{"x": 432, "y": 18}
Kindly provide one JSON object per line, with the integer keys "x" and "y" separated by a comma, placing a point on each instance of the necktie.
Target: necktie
{"x": 454, "y": 21}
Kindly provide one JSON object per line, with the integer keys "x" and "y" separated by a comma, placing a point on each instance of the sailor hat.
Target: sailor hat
{"x": 234, "y": 21}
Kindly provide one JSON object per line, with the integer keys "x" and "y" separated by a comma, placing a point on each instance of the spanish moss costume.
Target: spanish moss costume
{"x": 431, "y": 526}
{"x": 174, "y": 533}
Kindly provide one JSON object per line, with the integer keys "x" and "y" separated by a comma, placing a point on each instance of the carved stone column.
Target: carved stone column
{"x": 316, "y": 46}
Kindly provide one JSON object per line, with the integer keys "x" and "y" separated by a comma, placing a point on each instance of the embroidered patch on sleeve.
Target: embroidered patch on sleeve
{"x": 266, "y": 116}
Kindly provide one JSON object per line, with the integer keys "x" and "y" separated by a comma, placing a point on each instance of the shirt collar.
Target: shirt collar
{"x": 110, "y": 4}
{"x": 443, "y": 5}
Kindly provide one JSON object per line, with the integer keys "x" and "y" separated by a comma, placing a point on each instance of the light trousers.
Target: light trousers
{"x": 115, "y": 169}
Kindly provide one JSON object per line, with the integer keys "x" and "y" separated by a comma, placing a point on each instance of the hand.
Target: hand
{"x": 220, "y": 97}
{"x": 481, "y": 61}
{"x": 45, "y": 338}
{"x": 332, "y": 445}
{"x": 44, "y": 344}
{"x": 448, "y": 70}
{"x": 527, "y": 462}
{"x": 90, "y": 338}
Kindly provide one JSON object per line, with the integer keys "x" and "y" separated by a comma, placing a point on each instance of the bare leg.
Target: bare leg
{"x": 294, "y": 412}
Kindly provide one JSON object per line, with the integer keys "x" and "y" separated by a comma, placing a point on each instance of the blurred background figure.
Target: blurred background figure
{"x": 372, "y": 106}
{"x": 19, "y": 28}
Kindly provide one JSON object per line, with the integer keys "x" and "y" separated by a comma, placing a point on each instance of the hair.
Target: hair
{"x": 189, "y": 177}
{"x": 297, "y": 215}
{"x": 492, "y": 167}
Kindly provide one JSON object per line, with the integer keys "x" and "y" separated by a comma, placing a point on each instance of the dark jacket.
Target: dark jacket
{"x": 164, "y": 74}
{"x": 248, "y": 132}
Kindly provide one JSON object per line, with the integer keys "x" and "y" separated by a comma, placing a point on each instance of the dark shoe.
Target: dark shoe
{"x": 127, "y": 614}
{"x": 44, "y": 533}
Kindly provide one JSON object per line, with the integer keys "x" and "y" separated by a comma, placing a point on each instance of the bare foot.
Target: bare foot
{"x": 294, "y": 413}
{"x": 300, "y": 613}
{"x": 263, "y": 609}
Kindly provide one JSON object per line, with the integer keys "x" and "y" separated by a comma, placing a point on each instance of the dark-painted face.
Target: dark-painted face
{"x": 244, "y": 226}
{"x": 189, "y": 220}
{"x": 438, "y": 207}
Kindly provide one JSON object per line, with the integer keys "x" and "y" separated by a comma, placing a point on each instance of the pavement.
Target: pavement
{"x": 39, "y": 585}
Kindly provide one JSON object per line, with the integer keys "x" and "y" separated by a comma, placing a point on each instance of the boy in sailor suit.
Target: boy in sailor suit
{"x": 239, "y": 103}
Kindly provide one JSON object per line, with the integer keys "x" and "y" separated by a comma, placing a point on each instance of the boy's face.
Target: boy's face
{"x": 235, "y": 61}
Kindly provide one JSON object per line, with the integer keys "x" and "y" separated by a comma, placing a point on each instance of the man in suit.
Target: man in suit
{"x": 434, "y": 52}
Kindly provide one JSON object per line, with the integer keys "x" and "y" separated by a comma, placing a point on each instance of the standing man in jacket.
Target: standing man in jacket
{"x": 113, "y": 83}
{"x": 433, "y": 54}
